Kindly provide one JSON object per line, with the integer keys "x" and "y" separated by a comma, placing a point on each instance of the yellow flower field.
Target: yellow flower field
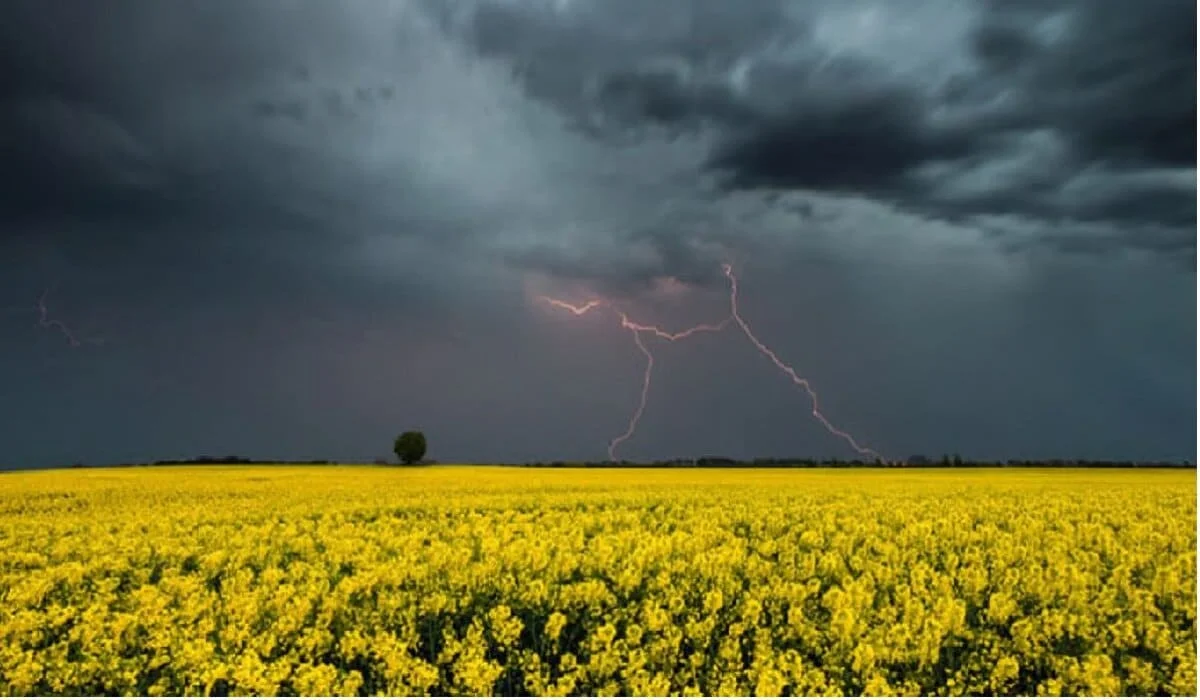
{"x": 410, "y": 581}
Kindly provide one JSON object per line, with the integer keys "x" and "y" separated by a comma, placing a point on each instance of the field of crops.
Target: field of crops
{"x": 341, "y": 580}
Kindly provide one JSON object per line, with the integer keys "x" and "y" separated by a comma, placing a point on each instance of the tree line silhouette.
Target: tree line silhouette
{"x": 913, "y": 461}
{"x": 804, "y": 462}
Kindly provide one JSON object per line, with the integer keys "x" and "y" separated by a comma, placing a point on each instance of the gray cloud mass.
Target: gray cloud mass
{"x": 303, "y": 226}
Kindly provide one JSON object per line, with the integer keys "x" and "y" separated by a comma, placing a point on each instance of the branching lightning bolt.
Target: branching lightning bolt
{"x": 636, "y": 329}
{"x": 735, "y": 317}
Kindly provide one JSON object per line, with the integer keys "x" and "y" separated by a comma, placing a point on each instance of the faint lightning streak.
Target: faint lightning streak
{"x": 797, "y": 379}
{"x": 45, "y": 321}
{"x": 636, "y": 329}
{"x": 577, "y": 310}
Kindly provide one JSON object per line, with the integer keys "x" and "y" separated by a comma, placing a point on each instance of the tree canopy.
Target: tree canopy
{"x": 410, "y": 446}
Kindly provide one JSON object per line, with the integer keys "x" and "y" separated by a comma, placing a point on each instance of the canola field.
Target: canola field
{"x": 456, "y": 580}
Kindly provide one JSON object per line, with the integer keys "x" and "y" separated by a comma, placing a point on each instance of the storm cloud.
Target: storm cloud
{"x": 1054, "y": 111}
{"x": 375, "y": 193}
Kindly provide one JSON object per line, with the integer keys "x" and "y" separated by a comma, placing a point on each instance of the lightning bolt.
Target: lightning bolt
{"x": 734, "y": 317}
{"x": 45, "y": 320}
{"x": 636, "y": 329}
{"x": 787, "y": 369}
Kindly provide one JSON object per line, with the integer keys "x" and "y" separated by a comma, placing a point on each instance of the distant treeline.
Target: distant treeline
{"x": 210, "y": 460}
{"x": 714, "y": 461}
{"x": 234, "y": 459}
{"x": 838, "y": 463}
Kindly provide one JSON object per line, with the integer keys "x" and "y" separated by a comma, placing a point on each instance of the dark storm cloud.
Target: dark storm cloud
{"x": 63, "y": 157}
{"x": 209, "y": 117}
{"x": 202, "y": 116}
{"x": 1080, "y": 111}
{"x": 1114, "y": 95}
{"x": 1114, "y": 85}
{"x": 1120, "y": 83}
{"x": 862, "y": 143}
{"x": 78, "y": 132}
{"x": 1109, "y": 86}
{"x": 604, "y": 71}
{"x": 72, "y": 162}
{"x": 315, "y": 222}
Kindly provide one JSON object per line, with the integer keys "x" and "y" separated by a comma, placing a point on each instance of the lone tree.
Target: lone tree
{"x": 410, "y": 446}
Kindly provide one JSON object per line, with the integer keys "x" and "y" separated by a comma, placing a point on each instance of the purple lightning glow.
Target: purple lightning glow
{"x": 734, "y": 317}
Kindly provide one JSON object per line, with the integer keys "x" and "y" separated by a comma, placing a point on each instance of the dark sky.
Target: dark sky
{"x": 300, "y": 227}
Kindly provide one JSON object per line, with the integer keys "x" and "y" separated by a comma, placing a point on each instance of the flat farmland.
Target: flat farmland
{"x": 493, "y": 580}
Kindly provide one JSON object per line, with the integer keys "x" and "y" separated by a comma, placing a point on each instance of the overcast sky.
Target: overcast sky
{"x": 287, "y": 228}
